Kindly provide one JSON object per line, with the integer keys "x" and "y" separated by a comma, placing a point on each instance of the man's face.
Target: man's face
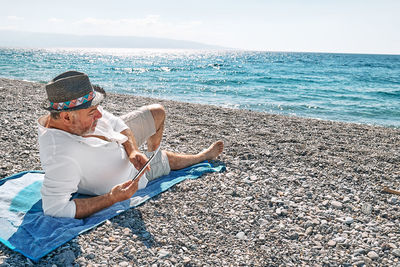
{"x": 84, "y": 121}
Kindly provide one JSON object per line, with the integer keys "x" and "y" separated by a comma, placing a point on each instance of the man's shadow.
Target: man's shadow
{"x": 133, "y": 220}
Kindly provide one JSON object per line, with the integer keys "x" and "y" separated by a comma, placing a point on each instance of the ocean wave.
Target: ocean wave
{"x": 389, "y": 94}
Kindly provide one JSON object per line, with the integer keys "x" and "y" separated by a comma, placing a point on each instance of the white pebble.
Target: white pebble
{"x": 349, "y": 220}
{"x": 336, "y": 204}
{"x": 241, "y": 235}
{"x": 331, "y": 243}
{"x": 163, "y": 253}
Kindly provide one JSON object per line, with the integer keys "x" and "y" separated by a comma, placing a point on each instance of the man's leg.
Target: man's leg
{"x": 139, "y": 122}
{"x": 176, "y": 160}
{"x": 179, "y": 161}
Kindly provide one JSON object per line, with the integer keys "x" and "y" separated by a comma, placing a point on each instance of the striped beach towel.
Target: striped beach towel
{"x": 25, "y": 229}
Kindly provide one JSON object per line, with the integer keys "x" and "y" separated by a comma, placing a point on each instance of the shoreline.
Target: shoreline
{"x": 154, "y": 99}
{"x": 291, "y": 186}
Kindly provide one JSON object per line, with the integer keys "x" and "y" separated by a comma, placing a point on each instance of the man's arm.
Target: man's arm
{"x": 88, "y": 206}
{"x": 130, "y": 145}
{"x": 137, "y": 158}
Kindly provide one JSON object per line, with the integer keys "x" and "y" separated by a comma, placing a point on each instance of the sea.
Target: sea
{"x": 359, "y": 88}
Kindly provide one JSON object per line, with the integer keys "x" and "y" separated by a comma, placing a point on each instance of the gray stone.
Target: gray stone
{"x": 293, "y": 236}
{"x": 392, "y": 200}
{"x": 66, "y": 257}
{"x": 366, "y": 208}
{"x": 359, "y": 251}
{"x": 396, "y": 252}
{"x": 373, "y": 255}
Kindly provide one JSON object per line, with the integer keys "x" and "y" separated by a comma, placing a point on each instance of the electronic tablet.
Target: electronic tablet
{"x": 146, "y": 164}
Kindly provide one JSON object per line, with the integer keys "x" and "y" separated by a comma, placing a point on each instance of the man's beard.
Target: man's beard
{"x": 78, "y": 130}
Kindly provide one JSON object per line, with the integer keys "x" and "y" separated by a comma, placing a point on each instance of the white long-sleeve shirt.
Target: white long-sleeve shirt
{"x": 87, "y": 165}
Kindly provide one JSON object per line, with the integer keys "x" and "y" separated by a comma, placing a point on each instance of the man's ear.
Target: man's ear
{"x": 66, "y": 117}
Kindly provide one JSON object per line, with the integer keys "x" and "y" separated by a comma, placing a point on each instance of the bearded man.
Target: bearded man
{"x": 85, "y": 149}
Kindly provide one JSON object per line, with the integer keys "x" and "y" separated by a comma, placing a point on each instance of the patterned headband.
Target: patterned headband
{"x": 74, "y": 103}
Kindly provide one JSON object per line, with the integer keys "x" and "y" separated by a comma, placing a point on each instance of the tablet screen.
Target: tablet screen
{"x": 146, "y": 164}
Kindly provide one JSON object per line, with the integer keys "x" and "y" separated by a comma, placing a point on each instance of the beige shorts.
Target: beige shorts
{"x": 142, "y": 125}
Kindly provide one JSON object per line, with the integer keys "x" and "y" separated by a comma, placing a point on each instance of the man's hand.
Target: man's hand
{"x": 124, "y": 191}
{"x": 138, "y": 160}
{"x": 87, "y": 206}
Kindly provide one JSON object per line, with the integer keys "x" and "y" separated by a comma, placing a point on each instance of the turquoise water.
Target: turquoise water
{"x": 341, "y": 87}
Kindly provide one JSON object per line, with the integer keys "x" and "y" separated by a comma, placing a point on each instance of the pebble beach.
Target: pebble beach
{"x": 296, "y": 192}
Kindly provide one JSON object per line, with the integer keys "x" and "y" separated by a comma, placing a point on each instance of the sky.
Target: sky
{"x": 352, "y": 26}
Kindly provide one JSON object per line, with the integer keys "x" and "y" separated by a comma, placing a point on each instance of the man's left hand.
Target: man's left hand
{"x": 138, "y": 159}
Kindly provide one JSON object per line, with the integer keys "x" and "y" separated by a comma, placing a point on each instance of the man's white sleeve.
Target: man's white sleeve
{"x": 60, "y": 182}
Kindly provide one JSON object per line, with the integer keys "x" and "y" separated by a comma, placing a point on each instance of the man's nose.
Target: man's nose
{"x": 98, "y": 114}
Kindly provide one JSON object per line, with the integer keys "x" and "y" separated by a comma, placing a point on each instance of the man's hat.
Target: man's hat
{"x": 69, "y": 91}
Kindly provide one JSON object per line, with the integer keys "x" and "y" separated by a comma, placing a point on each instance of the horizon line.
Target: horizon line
{"x": 200, "y": 49}
{"x": 215, "y": 46}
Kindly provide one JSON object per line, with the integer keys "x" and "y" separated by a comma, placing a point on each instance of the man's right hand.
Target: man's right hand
{"x": 88, "y": 206}
{"x": 124, "y": 191}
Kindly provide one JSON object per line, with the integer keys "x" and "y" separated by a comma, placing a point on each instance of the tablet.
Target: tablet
{"x": 146, "y": 164}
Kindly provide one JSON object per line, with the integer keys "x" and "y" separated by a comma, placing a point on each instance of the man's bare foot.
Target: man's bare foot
{"x": 213, "y": 151}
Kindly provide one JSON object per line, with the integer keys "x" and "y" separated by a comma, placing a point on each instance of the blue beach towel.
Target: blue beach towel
{"x": 25, "y": 229}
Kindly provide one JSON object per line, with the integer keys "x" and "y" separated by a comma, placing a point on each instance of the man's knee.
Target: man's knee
{"x": 158, "y": 112}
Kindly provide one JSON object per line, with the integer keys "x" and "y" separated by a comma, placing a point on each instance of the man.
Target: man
{"x": 86, "y": 149}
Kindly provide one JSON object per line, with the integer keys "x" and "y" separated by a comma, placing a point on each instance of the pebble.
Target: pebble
{"x": 163, "y": 253}
{"x": 359, "y": 263}
{"x": 253, "y": 178}
{"x": 373, "y": 255}
{"x": 359, "y": 251}
{"x": 293, "y": 236}
{"x": 336, "y": 204}
{"x": 66, "y": 257}
{"x": 319, "y": 237}
{"x": 396, "y": 252}
{"x": 346, "y": 199}
{"x": 308, "y": 230}
{"x": 241, "y": 235}
{"x": 366, "y": 208}
{"x": 392, "y": 200}
{"x": 281, "y": 212}
{"x": 349, "y": 220}
{"x": 331, "y": 243}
